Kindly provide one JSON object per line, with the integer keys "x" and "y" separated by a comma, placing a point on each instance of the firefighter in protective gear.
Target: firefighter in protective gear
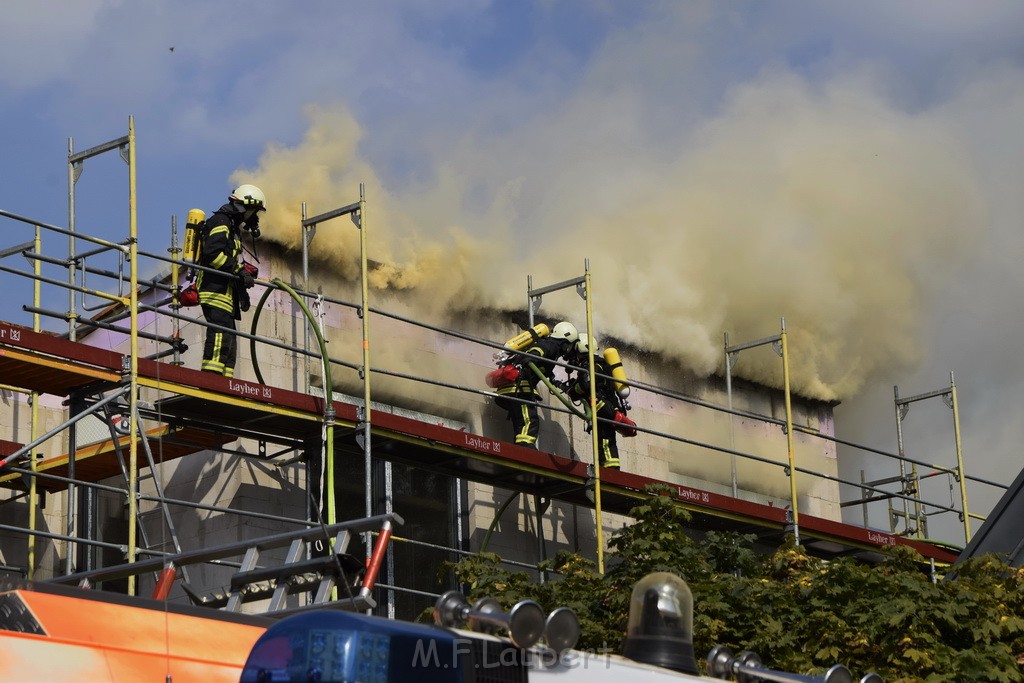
{"x": 520, "y": 398}
{"x": 224, "y": 295}
{"x": 606, "y": 397}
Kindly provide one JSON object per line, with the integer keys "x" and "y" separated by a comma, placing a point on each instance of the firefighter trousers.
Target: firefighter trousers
{"x": 524, "y": 417}
{"x": 607, "y": 444}
{"x": 221, "y": 347}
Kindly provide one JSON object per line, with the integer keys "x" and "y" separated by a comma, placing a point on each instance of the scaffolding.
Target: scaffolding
{"x": 913, "y": 512}
{"x": 172, "y": 412}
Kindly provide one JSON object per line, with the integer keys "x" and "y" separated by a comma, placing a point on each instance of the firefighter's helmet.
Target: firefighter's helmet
{"x": 565, "y": 331}
{"x": 584, "y": 344}
{"x": 250, "y": 196}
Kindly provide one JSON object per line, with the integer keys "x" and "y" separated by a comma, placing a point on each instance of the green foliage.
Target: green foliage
{"x": 798, "y": 612}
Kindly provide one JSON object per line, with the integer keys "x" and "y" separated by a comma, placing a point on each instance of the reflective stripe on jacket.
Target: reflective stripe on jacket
{"x": 221, "y": 249}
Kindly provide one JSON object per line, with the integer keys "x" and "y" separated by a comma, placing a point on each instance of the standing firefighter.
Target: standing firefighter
{"x": 224, "y": 295}
{"x": 522, "y": 385}
{"x": 609, "y": 393}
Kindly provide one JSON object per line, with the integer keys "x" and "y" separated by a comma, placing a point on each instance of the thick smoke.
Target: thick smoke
{"x": 410, "y": 251}
{"x": 826, "y": 205}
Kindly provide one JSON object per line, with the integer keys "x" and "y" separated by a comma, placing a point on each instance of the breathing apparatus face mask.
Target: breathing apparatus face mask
{"x": 252, "y": 220}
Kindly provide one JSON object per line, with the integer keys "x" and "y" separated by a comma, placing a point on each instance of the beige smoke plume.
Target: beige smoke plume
{"x": 829, "y": 207}
{"x": 324, "y": 171}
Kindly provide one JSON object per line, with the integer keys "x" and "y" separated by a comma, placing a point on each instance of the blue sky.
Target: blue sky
{"x": 854, "y": 167}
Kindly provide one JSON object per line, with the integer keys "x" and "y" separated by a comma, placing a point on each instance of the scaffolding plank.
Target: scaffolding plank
{"x": 41, "y": 342}
{"x": 98, "y": 461}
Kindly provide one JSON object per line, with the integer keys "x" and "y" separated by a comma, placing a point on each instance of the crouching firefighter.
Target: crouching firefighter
{"x": 610, "y": 394}
{"x": 224, "y": 295}
{"x": 516, "y": 382}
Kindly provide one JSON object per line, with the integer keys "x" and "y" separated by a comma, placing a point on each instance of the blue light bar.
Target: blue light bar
{"x": 340, "y": 647}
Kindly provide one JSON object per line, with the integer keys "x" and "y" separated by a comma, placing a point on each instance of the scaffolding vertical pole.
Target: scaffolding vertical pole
{"x": 133, "y": 369}
{"x": 75, "y": 405}
{"x": 920, "y": 520}
{"x": 901, "y": 412}
{"x": 593, "y": 417}
{"x": 529, "y": 300}
{"x": 960, "y": 459}
{"x": 789, "y": 434}
{"x": 365, "y": 292}
{"x": 863, "y": 497}
{"x": 74, "y": 171}
{"x": 732, "y": 426}
{"x": 176, "y": 253}
{"x": 307, "y": 237}
{"x": 33, "y": 491}
{"x": 539, "y": 508}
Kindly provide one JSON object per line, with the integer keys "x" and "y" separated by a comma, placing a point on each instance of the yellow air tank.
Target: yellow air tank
{"x": 190, "y": 254}
{"x": 527, "y": 337}
{"x": 614, "y": 363}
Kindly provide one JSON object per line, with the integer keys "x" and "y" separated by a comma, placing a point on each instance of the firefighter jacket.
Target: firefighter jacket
{"x": 604, "y": 387}
{"x": 526, "y": 385}
{"x": 222, "y": 249}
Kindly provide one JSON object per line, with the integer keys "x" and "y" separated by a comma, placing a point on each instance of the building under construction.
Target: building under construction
{"x": 359, "y": 424}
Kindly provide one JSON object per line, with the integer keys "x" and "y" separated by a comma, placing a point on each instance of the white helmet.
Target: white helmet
{"x": 250, "y": 195}
{"x": 566, "y": 331}
{"x": 583, "y": 345}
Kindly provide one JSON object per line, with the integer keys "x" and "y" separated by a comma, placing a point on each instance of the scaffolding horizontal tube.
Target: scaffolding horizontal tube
{"x": 459, "y": 551}
{"x": 751, "y": 344}
{"x": 93, "y": 323}
{"x": 60, "y": 537}
{"x": 328, "y": 215}
{"x": 540, "y": 291}
{"x": 10, "y": 251}
{"x": 65, "y": 285}
{"x": 98, "y": 149}
{"x": 63, "y": 231}
{"x": 922, "y": 397}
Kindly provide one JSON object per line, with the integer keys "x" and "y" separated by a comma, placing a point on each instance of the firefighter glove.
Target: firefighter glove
{"x": 247, "y": 272}
{"x": 247, "y": 279}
